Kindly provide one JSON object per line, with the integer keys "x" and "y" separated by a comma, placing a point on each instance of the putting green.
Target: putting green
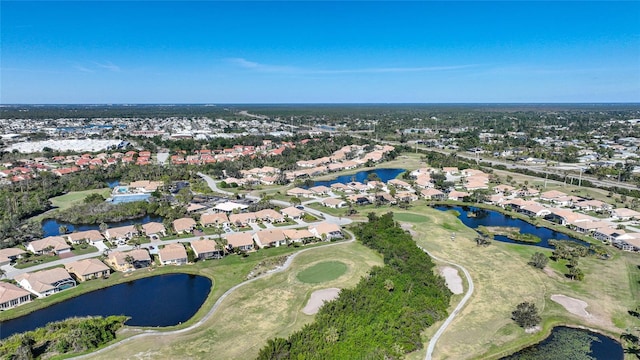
{"x": 321, "y": 272}
{"x": 409, "y": 217}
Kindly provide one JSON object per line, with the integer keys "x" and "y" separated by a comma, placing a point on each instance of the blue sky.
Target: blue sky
{"x": 319, "y": 52}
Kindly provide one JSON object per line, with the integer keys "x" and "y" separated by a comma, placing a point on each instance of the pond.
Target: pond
{"x": 163, "y": 300}
{"x": 51, "y": 227}
{"x": 473, "y": 217}
{"x": 570, "y": 343}
{"x": 384, "y": 175}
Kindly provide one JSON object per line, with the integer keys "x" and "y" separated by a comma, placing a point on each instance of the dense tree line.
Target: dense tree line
{"x": 383, "y": 316}
{"x": 73, "y": 335}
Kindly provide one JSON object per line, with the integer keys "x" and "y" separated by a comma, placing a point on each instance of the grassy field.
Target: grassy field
{"x": 409, "y": 217}
{"x": 254, "y": 313}
{"x": 322, "y": 272}
{"x": 503, "y": 279}
{"x": 74, "y": 198}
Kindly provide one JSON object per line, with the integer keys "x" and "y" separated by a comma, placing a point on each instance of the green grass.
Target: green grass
{"x": 34, "y": 260}
{"x": 74, "y": 198}
{"x": 409, "y": 217}
{"x": 322, "y": 272}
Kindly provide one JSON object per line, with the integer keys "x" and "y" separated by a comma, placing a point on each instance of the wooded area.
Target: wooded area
{"x": 384, "y": 315}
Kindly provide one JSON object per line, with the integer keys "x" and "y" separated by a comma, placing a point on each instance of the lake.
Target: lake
{"x": 163, "y": 300}
{"x": 563, "y": 343}
{"x": 51, "y": 227}
{"x": 362, "y": 176}
{"x": 493, "y": 218}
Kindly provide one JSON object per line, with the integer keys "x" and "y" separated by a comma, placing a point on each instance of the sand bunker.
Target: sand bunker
{"x": 572, "y": 305}
{"x": 318, "y": 298}
{"x": 452, "y": 279}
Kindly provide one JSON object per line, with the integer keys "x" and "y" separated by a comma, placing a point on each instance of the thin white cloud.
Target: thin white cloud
{"x": 83, "y": 69}
{"x": 246, "y": 64}
{"x": 109, "y": 66}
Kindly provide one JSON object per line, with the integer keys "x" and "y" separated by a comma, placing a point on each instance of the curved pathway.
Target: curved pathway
{"x": 146, "y": 333}
{"x": 467, "y": 296}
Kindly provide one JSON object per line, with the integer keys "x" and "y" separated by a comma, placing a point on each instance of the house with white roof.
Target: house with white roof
{"x": 46, "y": 282}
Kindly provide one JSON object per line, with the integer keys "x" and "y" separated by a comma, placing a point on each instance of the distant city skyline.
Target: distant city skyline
{"x": 319, "y": 52}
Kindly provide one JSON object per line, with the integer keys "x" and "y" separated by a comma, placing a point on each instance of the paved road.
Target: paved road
{"x": 467, "y": 296}
{"x": 146, "y": 333}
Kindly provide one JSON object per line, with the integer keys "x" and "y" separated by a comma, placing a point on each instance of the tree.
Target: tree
{"x": 103, "y": 227}
{"x": 389, "y": 285}
{"x": 576, "y": 273}
{"x": 526, "y": 315}
{"x": 295, "y": 200}
{"x": 63, "y": 229}
{"x": 539, "y": 260}
{"x": 129, "y": 259}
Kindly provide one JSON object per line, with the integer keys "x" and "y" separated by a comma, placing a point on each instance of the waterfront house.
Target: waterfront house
{"x": 80, "y": 237}
{"x": 173, "y": 254}
{"x": 433, "y": 194}
{"x": 206, "y": 249}
{"x": 120, "y": 235}
{"x": 51, "y": 244}
{"x": 8, "y": 255}
{"x": 46, "y": 282}
{"x": 88, "y": 269}
{"x": 457, "y": 195}
{"x": 241, "y": 241}
{"x": 12, "y": 296}
{"x": 130, "y": 260}
{"x": 184, "y": 225}
{"x": 269, "y": 238}
{"x": 326, "y": 231}
{"x": 154, "y": 230}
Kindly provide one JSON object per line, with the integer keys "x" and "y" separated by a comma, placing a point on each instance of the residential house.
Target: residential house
{"x": 588, "y": 227}
{"x": 269, "y": 238}
{"x": 173, "y": 254}
{"x": 592, "y": 205}
{"x": 241, "y": 240}
{"x": 299, "y": 192}
{"x": 628, "y": 242}
{"x": 340, "y": 187}
{"x": 457, "y": 195}
{"x": 326, "y": 231}
{"x": 154, "y": 230}
{"x": 504, "y": 189}
{"x": 624, "y": 214}
{"x": 130, "y": 260}
{"x": 552, "y": 195}
{"x": 433, "y": 194}
{"x": 8, "y": 255}
{"x": 607, "y": 234}
{"x": 269, "y": 215}
{"x": 12, "y": 296}
{"x": 80, "y": 237}
{"x": 184, "y": 225}
{"x": 206, "y": 249}
{"x": 292, "y": 213}
{"x": 51, "y": 244}
{"x": 46, "y": 282}
{"x": 242, "y": 219}
{"x": 320, "y": 190}
{"x": 298, "y": 236}
{"x": 334, "y": 203}
{"x": 533, "y": 209}
{"x": 228, "y": 207}
{"x": 406, "y": 196}
{"x": 566, "y": 217}
{"x": 120, "y": 235}
{"x": 88, "y": 269}
{"x": 217, "y": 219}
{"x": 399, "y": 184}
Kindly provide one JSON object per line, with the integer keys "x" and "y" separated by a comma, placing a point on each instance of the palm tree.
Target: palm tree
{"x": 103, "y": 227}
{"x": 63, "y": 229}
